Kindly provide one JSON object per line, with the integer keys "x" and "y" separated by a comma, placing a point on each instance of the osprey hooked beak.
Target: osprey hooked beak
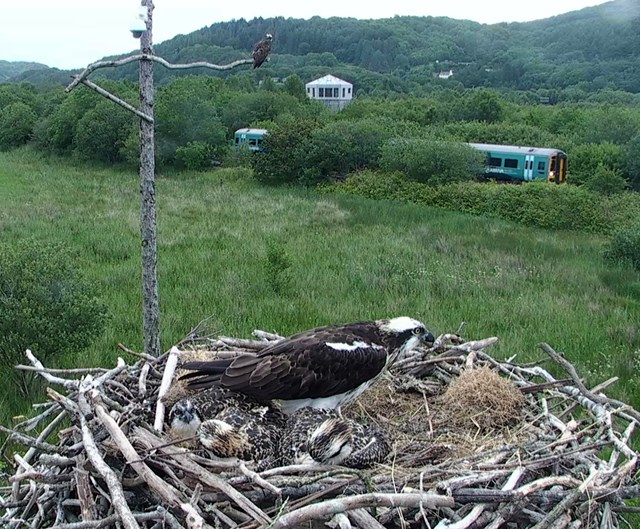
{"x": 427, "y": 338}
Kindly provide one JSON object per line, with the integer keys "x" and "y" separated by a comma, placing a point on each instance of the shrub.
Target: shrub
{"x": 625, "y": 245}
{"x": 44, "y": 305}
{"x": 585, "y": 159}
{"x": 428, "y": 161}
{"x": 348, "y": 145}
{"x": 606, "y": 181}
{"x": 16, "y": 125}
{"x": 285, "y": 153}
{"x": 534, "y": 204}
{"x": 195, "y": 155}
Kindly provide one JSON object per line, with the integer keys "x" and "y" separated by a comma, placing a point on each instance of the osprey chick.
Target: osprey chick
{"x": 323, "y": 437}
{"x": 323, "y": 368}
{"x": 261, "y": 50}
{"x": 227, "y": 424}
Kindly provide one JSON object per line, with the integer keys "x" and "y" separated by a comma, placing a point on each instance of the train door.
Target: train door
{"x": 558, "y": 168}
{"x": 528, "y": 167}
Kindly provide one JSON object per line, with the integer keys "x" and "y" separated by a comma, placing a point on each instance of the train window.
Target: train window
{"x": 494, "y": 162}
{"x": 511, "y": 162}
{"x": 541, "y": 166}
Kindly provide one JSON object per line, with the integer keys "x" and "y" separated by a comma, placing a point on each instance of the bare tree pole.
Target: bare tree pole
{"x": 148, "y": 231}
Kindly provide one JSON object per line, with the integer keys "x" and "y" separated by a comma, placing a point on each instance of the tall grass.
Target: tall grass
{"x": 245, "y": 257}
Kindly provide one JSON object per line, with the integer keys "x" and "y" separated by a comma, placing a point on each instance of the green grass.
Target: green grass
{"x": 279, "y": 259}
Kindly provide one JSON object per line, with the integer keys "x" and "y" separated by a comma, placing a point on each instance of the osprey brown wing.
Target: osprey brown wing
{"x": 261, "y": 51}
{"x": 314, "y": 364}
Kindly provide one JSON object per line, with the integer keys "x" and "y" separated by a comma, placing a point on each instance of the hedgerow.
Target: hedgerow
{"x": 535, "y": 204}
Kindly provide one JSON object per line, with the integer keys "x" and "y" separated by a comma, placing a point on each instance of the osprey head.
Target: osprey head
{"x": 268, "y": 36}
{"x": 331, "y": 442}
{"x": 184, "y": 419}
{"x": 403, "y": 334}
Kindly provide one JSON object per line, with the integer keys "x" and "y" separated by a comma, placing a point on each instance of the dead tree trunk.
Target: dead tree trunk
{"x": 151, "y": 313}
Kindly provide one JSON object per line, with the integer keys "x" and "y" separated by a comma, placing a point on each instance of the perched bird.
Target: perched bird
{"x": 313, "y": 436}
{"x": 261, "y": 50}
{"x": 323, "y": 368}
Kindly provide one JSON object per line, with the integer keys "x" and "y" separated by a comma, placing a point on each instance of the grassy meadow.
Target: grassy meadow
{"x": 244, "y": 256}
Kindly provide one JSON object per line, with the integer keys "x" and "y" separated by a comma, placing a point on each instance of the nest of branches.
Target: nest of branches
{"x": 476, "y": 443}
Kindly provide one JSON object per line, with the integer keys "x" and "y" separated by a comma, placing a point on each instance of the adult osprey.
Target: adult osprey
{"x": 321, "y": 368}
{"x": 261, "y": 50}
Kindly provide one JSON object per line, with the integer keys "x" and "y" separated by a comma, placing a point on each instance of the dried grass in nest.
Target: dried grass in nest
{"x": 534, "y": 460}
{"x": 479, "y": 399}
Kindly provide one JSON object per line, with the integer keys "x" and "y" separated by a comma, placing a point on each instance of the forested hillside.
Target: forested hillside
{"x": 11, "y": 70}
{"x": 590, "y": 49}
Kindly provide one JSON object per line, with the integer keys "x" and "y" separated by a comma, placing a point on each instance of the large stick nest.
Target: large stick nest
{"x": 476, "y": 443}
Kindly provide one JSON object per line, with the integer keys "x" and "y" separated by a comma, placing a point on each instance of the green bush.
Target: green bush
{"x": 45, "y": 306}
{"x": 16, "y": 125}
{"x": 536, "y": 204}
{"x": 428, "y": 161}
{"x": 195, "y": 155}
{"x": 285, "y": 153}
{"x": 606, "y": 181}
{"x": 585, "y": 159}
{"x": 625, "y": 245}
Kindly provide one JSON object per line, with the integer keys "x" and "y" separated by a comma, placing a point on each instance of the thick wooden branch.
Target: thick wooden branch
{"x": 147, "y": 57}
{"x": 118, "y": 499}
{"x": 116, "y": 100}
{"x": 169, "y": 494}
{"x": 348, "y": 503}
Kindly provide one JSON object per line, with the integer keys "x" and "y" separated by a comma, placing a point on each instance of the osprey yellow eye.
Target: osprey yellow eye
{"x": 418, "y": 330}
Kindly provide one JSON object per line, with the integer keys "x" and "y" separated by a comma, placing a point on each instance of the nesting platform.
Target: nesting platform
{"x": 477, "y": 442}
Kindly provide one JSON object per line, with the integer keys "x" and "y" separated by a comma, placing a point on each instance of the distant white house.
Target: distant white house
{"x": 333, "y": 92}
{"x": 444, "y": 74}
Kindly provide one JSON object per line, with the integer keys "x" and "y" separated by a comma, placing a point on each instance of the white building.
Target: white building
{"x": 333, "y": 92}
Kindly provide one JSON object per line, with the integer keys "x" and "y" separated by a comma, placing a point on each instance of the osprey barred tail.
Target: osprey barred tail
{"x": 261, "y": 50}
{"x": 321, "y": 368}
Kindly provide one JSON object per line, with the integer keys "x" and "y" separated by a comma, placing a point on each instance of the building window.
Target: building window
{"x": 511, "y": 162}
{"x": 494, "y": 162}
{"x": 320, "y": 92}
{"x": 349, "y": 90}
{"x": 336, "y": 92}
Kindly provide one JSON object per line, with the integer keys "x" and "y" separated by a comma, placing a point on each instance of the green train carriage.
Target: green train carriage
{"x": 523, "y": 164}
{"x": 251, "y": 138}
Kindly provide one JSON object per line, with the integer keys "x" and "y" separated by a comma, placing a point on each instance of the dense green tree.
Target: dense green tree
{"x": 431, "y": 161}
{"x": 16, "y": 124}
{"x": 589, "y": 157}
{"x": 344, "y": 146}
{"x": 46, "y": 306}
{"x": 606, "y": 181}
{"x": 294, "y": 86}
{"x": 632, "y": 161}
{"x": 285, "y": 152}
{"x": 186, "y": 112}
{"x": 102, "y": 131}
